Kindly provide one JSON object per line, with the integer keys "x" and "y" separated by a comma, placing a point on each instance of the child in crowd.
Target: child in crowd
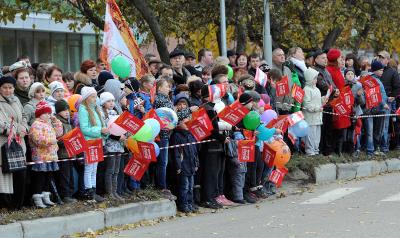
{"x": 64, "y": 181}
{"x": 162, "y": 100}
{"x": 56, "y": 93}
{"x": 312, "y": 111}
{"x": 37, "y": 93}
{"x": 92, "y": 127}
{"x": 186, "y": 157}
{"x": 146, "y": 85}
{"x": 113, "y": 147}
{"x": 69, "y": 80}
{"x": 43, "y": 141}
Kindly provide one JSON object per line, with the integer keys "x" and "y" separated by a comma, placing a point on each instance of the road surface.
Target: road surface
{"x": 363, "y": 208}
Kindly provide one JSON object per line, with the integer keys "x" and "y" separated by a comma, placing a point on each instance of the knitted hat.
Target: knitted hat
{"x": 34, "y": 87}
{"x": 18, "y": 65}
{"x": 333, "y": 54}
{"x": 54, "y": 86}
{"x": 204, "y": 91}
{"x": 105, "y": 97}
{"x": 182, "y": 97}
{"x": 319, "y": 52}
{"x": 42, "y": 108}
{"x": 7, "y": 79}
{"x": 103, "y": 77}
{"x": 61, "y": 105}
{"x": 245, "y": 98}
{"x": 348, "y": 70}
{"x": 87, "y": 91}
{"x": 376, "y": 65}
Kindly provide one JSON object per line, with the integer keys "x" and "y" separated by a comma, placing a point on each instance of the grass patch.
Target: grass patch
{"x": 30, "y": 213}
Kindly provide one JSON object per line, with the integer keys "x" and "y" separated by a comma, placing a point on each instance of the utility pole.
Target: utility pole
{"x": 223, "y": 28}
{"x": 267, "y": 44}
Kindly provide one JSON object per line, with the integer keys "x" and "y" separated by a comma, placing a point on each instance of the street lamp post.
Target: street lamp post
{"x": 267, "y": 44}
{"x": 223, "y": 28}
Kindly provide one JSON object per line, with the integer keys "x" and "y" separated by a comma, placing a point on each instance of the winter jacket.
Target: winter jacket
{"x": 147, "y": 102}
{"x": 112, "y": 142}
{"x": 113, "y": 86}
{"x": 30, "y": 109}
{"x": 391, "y": 82}
{"x": 324, "y": 80}
{"x": 91, "y": 132}
{"x": 284, "y": 103}
{"x": 181, "y": 78}
{"x": 337, "y": 76}
{"x": 10, "y": 107}
{"x": 195, "y": 100}
{"x": 163, "y": 101}
{"x": 186, "y": 157}
{"x": 299, "y": 67}
{"x": 215, "y": 146}
{"x": 312, "y": 103}
{"x": 52, "y": 102}
{"x": 67, "y": 127}
{"x": 22, "y": 95}
{"x": 43, "y": 139}
{"x": 359, "y": 100}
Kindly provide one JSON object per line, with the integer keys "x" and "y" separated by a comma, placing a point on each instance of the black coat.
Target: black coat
{"x": 391, "y": 82}
{"x": 185, "y": 157}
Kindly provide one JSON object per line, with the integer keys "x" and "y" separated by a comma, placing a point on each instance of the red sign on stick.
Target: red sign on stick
{"x": 297, "y": 93}
{"x": 268, "y": 155}
{"x": 129, "y": 122}
{"x": 234, "y": 113}
{"x": 74, "y": 142}
{"x": 198, "y": 130}
{"x": 347, "y": 96}
{"x": 339, "y": 107}
{"x": 277, "y": 176}
{"x": 281, "y": 123}
{"x": 147, "y": 151}
{"x": 373, "y": 97}
{"x": 136, "y": 167}
{"x": 282, "y": 87}
{"x": 246, "y": 150}
{"x": 94, "y": 153}
{"x": 202, "y": 117}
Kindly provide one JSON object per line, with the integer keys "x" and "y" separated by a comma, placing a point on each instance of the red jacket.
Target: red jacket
{"x": 339, "y": 122}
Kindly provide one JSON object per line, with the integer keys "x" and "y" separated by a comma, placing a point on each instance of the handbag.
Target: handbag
{"x": 12, "y": 154}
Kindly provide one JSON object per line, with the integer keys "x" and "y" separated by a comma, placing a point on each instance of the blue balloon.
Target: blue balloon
{"x": 265, "y": 133}
{"x": 155, "y": 126}
{"x": 230, "y": 98}
{"x": 156, "y": 148}
{"x": 300, "y": 129}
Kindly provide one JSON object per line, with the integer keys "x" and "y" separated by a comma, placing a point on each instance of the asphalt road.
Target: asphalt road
{"x": 364, "y": 208}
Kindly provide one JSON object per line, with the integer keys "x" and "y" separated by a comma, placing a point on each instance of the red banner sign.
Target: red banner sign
{"x": 246, "y": 149}
{"x": 147, "y": 151}
{"x": 129, "y": 122}
{"x": 202, "y": 117}
{"x": 282, "y": 87}
{"x": 281, "y": 123}
{"x": 339, "y": 107}
{"x": 297, "y": 93}
{"x": 234, "y": 113}
{"x": 373, "y": 97}
{"x": 136, "y": 167}
{"x": 277, "y": 176}
{"x": 74, "y": 142}
{"x": 268, "y": 155}
{"x": 94, "y": 153}
{"x": 198, "y": 130}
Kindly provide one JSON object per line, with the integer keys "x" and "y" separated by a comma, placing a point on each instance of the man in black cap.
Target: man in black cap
{"x": 190, "y": 63}
{"x": 154, "y": 66}
{"x": 177, "y": 60}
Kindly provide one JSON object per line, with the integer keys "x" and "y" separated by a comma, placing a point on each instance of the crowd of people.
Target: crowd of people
{"x": 34, "y": 107}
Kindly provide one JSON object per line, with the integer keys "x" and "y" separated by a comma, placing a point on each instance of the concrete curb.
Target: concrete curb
{"x": 328, "y": 173}
{"x": 94, "y": 220}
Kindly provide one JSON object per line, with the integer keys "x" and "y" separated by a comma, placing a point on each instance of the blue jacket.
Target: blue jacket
{"x": 90, "y": 132}
{"x": 185, "y": 157}
{"x": 147, "y": 102}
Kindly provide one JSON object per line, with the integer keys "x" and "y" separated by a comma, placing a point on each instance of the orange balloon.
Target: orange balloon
{"x": 132, "y": 145}
{"x": 72, "y": 101}
{"x": 282, "y": 151}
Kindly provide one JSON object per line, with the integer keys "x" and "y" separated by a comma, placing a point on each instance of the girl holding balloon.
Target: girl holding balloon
{"x": 113, "y": 146}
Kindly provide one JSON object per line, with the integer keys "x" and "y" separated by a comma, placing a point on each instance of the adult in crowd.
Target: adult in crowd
{"x": 166, "y": 71}
{"x": 12, "y": 185}
{"x": 180, "y": 73}
{"x": 352, "y": 62}
{"x": 328, "y": 90}
{"x": 23, "y": 83}
{"x": 391, "y": 82}
{"x": 154, "y": 66}
{"x": 88, "y": 67}
{"x": 283, "y": 104}
{"x": 231, "y": 54}
{"x": 255, "y": 62}
{"x": 296, "y": 57}
{"x": 241, "y": 61}
{"x": 205, "y": 58}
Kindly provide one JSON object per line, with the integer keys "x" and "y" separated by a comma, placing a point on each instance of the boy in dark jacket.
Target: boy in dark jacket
{"x": 185, "y": 158}
{"x": 64, "y": 179}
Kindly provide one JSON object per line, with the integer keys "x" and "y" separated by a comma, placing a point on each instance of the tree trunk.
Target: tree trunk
{"x": 240, "y": 38}
{"x": 150, "y": 18}
{"x": 331, "y": 38}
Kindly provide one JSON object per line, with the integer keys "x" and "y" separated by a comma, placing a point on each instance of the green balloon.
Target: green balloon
{"x": 230, "y": 72}
{"x": 145, "y": 134}
{"x": 120, "y": 66}
{"x": 251, "y": 121}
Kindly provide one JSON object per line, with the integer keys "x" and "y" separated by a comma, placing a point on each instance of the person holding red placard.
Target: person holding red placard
{"x": 374, "y": 125}
{"x": 92, "y": 127}
{"x": 212, "y": 158}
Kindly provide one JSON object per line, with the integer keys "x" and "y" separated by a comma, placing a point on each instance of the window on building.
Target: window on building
{"x": 74, "y": 49}
{"x": 43, "y": 47}
{"x": 8, "y": 47}
{"x": 25, "y": 43}
{"x": 60, "y": 50}
{"x": 89, "y": 47}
